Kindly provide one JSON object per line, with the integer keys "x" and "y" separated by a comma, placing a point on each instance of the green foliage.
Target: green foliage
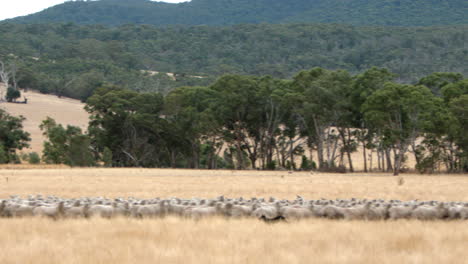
{"x": 271, "y": 165}
{"x": 70, "y": 60}
{"x": 66, "y": 146}
{"x": 12, "y": 136}
{"x": 34, "y": 158}
{"x": 129, "y": 125}
{"x": 3, "y": 155}
{"x": 307, "y": 164}
{"x": 12, "y": 94}
{"x": 437, "y": 80}
{"x": 401, "y": 113}
{"x": 265, "y": 123}
{"x": 223, "y": 12}
{"x": 107, "y": 157}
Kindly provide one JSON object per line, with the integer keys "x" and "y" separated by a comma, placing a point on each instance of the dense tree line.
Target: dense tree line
{"x": 316, "y": 120}
{"x": 71, "y": 60}
{"x": 267, "y": 123}
{"x": 229, "y": 12}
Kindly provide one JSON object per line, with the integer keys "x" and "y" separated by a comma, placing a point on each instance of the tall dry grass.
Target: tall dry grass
{"x": 147, "y": 183}
{"x": 218, "y": 240}
{"x": 173, "y": 240}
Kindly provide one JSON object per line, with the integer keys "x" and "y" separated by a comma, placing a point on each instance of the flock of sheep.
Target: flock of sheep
{"x": 265, "y": 209}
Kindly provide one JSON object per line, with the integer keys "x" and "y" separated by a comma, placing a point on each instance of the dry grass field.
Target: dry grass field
{"x": 65, "y": 111}
{"x": 218, "y": 240}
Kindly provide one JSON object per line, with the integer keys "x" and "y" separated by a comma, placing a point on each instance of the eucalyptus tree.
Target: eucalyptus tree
{"x": 401, "y": 113}
{"x": 129, "y": 124}
{"x": 12, "y": 136}
{"x": 437, "y": 80}
{"x": 364, "y": 85}
{"x": 456, "y": 142}
{"x": 322, "y": 108}
{"x": 236, "y": 109}
{"x": 66, "y": 145}
{"x": 187, "y": 109}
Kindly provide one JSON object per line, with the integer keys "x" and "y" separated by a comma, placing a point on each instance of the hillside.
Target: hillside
{"x": 64, "y": 110}
{"x": 229, "y": 12}
{"x": 73, "y": 60}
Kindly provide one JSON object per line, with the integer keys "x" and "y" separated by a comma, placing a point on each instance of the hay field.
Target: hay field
{"x": 65, "y": 111}
{"x": 217, "y": 240}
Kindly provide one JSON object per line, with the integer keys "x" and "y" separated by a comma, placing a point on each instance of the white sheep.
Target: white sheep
{"x": 54, "y": 211}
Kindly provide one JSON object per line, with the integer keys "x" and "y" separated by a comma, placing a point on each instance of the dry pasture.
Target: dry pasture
{"x": 217, "y": 240}
{"x": 64, "y": 110}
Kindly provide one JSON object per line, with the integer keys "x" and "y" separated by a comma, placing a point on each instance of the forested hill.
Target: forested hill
{"x": 229, "y": 12}
{"x": 53, "y": 52}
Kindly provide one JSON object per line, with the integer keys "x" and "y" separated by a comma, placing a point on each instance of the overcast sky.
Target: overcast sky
{"x": 14, "y": 8}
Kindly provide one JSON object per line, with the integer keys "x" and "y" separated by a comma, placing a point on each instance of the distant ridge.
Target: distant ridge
{"x": 229, "y": 12}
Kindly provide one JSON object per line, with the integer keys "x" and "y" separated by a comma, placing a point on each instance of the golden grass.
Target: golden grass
{"x": 65, "y": 111}
{"x": 173, "y": 240}
{"x": 146, "y": 183}
{"x": 218, "y": 240}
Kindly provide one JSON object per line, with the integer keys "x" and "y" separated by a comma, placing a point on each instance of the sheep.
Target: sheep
{"x": 270, "y": 210}
{"x": 19, "y": 210}
{"x": 267, "y": 212}
{"x": 122, "y": 209}
{"x": 454, "y": 211}
{"x": 176, "y": 209}
{"x": 54, "y": 212}
{"x": 204, "y": 211}
{"x": 296, "y": 212}
{"x": 356, "y": 213}
{"x": 378, "y": 212}
{"x": 77, "y": 211}
{"x": 101, "y": 210}
{"x": 331, "y": 212}
{"x": 401, "y": 211}
{"x": 464, "y": 212}
{"x": 430, "y": 212}
{"x": 2, "y": 207}
{"x": 237, "y": 211}
{"x": 148, "y": 210}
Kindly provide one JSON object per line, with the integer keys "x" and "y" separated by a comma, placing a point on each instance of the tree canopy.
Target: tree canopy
{"x": 242, "y": 121}
{"x": 12, "y": 137}
{"x": 70, "y": 60}
{"x": 228, "y": 12}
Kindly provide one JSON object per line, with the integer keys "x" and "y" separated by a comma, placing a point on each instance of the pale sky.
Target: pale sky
{"x": 14, "y": 8}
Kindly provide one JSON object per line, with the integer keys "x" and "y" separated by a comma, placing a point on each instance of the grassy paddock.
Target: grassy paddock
{"x": 217, "y": 240}
{"x": 150, "y": 183}
{"x": 173, "y": 240}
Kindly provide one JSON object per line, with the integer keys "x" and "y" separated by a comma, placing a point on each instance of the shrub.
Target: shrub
{"x": 107, "y": 157}
{"x": 308, "y": 164}
{"x": 271, "y": 165}
{"x": 34, "y": 158}
{"x": 3, "y": 155}
{"x": 12, "y": 94}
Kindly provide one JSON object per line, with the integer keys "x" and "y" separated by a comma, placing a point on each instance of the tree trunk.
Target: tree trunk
{"x": 347, "y": 146}
{"x": 389, "y": 159}
{"x": 399, "y": 158}
{"x": 291, "y": 154}
{"x": 379, "y": 163}
{"x": 365, "y": 156}
{"x": 173, "y": 159}
{"x": 240, "y": 156}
